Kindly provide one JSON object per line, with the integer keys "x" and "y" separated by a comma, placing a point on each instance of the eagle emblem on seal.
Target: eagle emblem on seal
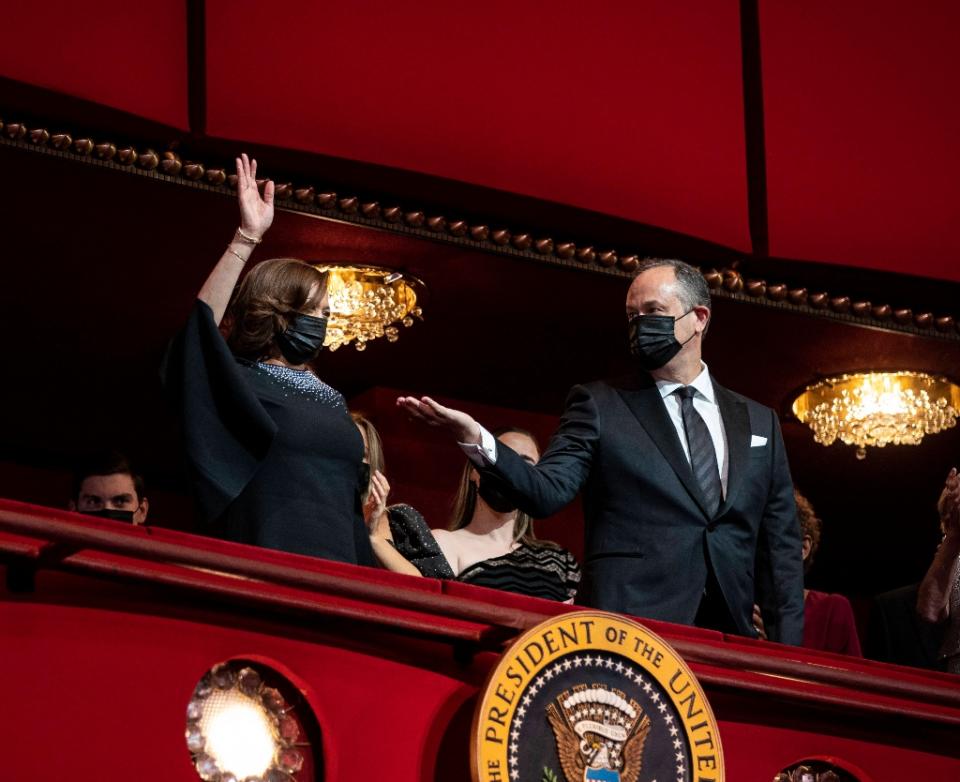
{"x": 600, "y": 734}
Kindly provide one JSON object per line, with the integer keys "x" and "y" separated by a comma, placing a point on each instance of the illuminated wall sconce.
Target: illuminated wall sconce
{"x": 875, "y": 409}
{"x": 240, "y": 729}
{"x": 368, "y": 302}
{"x": 815, "y": 771}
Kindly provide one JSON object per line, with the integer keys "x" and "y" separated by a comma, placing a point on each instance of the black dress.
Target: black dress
{"x": 538, "y": 571}
{"x": 543, "y": 570}
{"x": 414, "y": 540}
{"x": 273, "y": 453}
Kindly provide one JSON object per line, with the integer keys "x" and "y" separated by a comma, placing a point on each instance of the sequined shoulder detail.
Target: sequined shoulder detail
{"x": 299, "y": 382}
{"x": 414, "y": 540}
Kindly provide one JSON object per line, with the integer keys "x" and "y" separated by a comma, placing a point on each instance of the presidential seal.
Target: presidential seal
{"x": 594, "y": 697}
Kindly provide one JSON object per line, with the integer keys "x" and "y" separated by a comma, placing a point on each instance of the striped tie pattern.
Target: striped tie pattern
{"x": 703, "y": 457}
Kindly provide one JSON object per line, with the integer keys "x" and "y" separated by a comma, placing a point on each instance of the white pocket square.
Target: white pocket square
{"x": 757, "y": 441}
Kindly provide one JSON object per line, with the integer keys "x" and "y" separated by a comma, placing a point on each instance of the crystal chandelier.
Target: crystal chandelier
{"x": 878, "y": 408}
{"x": 367, "y": 302}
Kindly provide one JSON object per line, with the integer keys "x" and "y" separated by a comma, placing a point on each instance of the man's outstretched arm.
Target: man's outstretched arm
{"x": 542, "y": 489}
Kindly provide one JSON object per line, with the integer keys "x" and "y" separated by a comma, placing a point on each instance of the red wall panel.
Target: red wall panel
{"x": 861, "y": 128}
{"x": 129, "y": 56}
{"x": 100, "y": 672}
{"x": 634, "y": 109}
{"x": 631, "y": 109}
{"x": 107, "y": 691}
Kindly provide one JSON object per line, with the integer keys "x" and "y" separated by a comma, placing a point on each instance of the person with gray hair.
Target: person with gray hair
{"x": 687, "y": 495}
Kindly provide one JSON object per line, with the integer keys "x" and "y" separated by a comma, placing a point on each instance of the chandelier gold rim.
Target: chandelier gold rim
{"x": 876, "y": 408}
{"x": 380, "y": 300}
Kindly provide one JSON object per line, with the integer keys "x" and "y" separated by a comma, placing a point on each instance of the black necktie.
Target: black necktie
{"x": 703, "y": 457}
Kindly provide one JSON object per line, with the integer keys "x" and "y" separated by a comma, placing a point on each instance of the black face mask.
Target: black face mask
{"x": 653, "y": 341}
{"x": 303, "y": 338}
{"x": 111, "y": 513}
{"x": 495, "y": 498}
{"x": 364, "y": 476}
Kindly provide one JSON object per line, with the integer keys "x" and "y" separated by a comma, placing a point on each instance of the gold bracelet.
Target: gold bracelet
{"x": 242, "y": 259}
{"x": 248, "y": 239}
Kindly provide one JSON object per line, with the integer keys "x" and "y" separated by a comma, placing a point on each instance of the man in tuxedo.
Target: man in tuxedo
{"x": 687, "y": 495}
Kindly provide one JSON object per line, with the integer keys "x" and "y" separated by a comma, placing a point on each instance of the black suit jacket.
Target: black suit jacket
{"x": 648, "y": 536}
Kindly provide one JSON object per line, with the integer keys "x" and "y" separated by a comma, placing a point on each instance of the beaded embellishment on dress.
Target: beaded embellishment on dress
{"x": 303, "y": 383}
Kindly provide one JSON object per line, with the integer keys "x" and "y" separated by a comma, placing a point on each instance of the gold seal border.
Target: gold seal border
{"x": 590, "y": 631}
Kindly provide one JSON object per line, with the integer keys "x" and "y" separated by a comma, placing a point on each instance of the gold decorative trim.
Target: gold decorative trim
{"x": 725, "y": 282}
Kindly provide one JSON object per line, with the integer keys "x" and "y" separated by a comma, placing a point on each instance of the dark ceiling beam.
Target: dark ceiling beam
{"x": 754, "y": 127}
{"x": 197, "y": 67}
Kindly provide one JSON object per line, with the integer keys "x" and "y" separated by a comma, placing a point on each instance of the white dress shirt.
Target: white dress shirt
{"x": 704, "y": 402}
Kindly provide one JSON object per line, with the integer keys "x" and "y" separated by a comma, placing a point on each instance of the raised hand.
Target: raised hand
{"x": 458, "y": 423}
{"x": 375, "y": 508}
{"x": 758, "y": 623}
{"x": 256, "y": 213}
{"x": 949, "y": 503}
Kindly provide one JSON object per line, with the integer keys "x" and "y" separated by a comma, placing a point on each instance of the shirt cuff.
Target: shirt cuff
{"x": 484, "y": 453}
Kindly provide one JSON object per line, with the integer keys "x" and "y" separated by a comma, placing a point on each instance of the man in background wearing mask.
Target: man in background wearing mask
{"x": 686, "y": 489}
{"x": 104, "y": 485}
{"x": 107, "y": 486}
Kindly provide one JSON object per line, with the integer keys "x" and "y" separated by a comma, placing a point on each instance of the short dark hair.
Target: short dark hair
{"x": 108, "y": 462}
{"x": 694, "y": 291}
{"x": 266, "y": 301}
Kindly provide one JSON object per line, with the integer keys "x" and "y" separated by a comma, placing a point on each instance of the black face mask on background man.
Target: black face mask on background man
{"x": 653, "y": 341}
{"x": 111, "y": 513}
{"x": 303, "y": 338}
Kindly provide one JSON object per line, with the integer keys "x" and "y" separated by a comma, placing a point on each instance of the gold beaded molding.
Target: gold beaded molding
{"x": 726, "y": 282}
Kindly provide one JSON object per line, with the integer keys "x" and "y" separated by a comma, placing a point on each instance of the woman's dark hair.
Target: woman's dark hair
{"x": 466, "y": 500}
{"x": 269, "y": 296}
